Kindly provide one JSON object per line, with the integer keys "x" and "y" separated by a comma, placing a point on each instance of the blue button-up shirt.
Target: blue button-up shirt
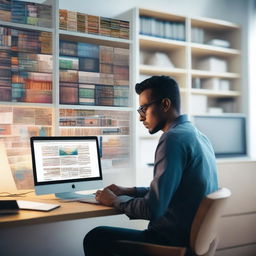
{"x": 184, "y": 172}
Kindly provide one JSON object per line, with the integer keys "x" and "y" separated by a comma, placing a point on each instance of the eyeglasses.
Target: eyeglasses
{"x": 143, "y": 108}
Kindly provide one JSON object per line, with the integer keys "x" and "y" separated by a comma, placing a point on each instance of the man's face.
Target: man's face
{"x": 150, "y": 112}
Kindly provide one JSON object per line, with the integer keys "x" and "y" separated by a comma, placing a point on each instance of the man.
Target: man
{"x": 184, "y": 172}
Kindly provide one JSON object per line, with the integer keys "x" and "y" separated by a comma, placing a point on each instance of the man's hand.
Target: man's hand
{"x": 117, "y": 190}
{"x": 105, "y": 196}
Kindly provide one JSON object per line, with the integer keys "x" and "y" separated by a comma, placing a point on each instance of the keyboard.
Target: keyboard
{"x": 89, "y": 198}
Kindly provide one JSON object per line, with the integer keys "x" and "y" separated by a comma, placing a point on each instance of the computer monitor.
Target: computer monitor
{"x": 63, "y": 165}
{"x": 226, "y": 133}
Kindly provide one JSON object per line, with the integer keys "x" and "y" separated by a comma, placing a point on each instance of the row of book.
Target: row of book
{"x": 92, "y": 131}
{"x": 17, "y": 93}
{"x": 32, "y": 63}
{"x": 91, "y": 64}
{"x": 89, "y": 118}
{"x": 19, "y": 118}
{"x": 105, "y": 54}
{"x": 162, "y": 28}
{"x": 26, "y": 13}
{"x": 91, "y": 94}
{"x": 85, "y": 23}
{"x": 25, "y": 41}
{"x": 120, "y": 76}
{"x": 26, "y": 87}
{"x": 115, "y": 118}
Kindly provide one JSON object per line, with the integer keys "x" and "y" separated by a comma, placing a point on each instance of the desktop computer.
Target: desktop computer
{"x": 65, "y": 164}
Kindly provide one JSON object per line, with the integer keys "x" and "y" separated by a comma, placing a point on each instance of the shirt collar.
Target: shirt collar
{"x": 179, "y": 120}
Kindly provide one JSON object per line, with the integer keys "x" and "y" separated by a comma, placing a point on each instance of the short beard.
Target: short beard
{"x": 159, "y": 126}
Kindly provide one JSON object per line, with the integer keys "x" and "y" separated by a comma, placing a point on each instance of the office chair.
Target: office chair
{"x": 203, "y": 235}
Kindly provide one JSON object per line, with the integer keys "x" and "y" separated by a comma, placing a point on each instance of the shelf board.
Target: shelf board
{"x": 154, "y": 70}
{"x": 210, "y": 74}
{"x": 26, "y": 104}
{"x": 25, "y": 26}
{"x": 215, "y": 93}
{"x": 204, "y": 49}
{"x": 85, "y": 107}
{"x": 93, "y": 127}
{"x": 94, "y": 39}
{"x": 210, "y": 23}
{"x": 157, "y": 43}
{"x": 161, "y": 15}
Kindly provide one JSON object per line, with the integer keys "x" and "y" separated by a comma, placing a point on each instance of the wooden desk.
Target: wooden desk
{"x": 66, "y": 211}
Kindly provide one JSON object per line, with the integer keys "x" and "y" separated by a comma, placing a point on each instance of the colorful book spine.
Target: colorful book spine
{"x": 68, "y": 93}
{"x": 63, "y": 19}
{"x": 82, "y": 22}
{"x": 87, "y": 94}
{"x": 92, "y": 24}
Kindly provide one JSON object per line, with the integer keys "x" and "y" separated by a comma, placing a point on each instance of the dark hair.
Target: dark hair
{"x": 161, "y": 87}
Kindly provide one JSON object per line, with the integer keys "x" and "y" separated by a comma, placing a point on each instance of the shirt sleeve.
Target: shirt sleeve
{"x": 168, "y": 170}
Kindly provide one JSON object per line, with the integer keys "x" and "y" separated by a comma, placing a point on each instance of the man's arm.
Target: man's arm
{"x": 128, "y": 191}
{"x": 108, "y": 195}
{"x": 169, "y": 165}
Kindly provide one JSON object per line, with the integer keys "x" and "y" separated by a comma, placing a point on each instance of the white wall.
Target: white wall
{"x": 252, "y": 75}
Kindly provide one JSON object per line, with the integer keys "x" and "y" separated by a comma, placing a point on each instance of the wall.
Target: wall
{"x": 252, "y": 74}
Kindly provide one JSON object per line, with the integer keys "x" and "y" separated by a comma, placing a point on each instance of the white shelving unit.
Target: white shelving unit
{"x": 185, "y": 56}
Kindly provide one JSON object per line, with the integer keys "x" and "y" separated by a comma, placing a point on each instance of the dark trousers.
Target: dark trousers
{"x": 98, "y": 242}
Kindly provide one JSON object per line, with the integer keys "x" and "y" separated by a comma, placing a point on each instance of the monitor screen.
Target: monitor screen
{"x": 63, "y": 165}
{"x": 226, "y": 133}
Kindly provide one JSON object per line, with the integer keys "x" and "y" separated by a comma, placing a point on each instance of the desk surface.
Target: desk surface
{"x": 66, "y": 211}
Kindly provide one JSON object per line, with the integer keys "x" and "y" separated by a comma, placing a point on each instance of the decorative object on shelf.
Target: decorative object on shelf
{"x": 160, "y": 59}
{"x": 224, "y": 85}
{"x": 219, "y": 43}
{"x": 211, "y": 83}
{"x": 215, "y": 110}
{"x": 213, "y": 64}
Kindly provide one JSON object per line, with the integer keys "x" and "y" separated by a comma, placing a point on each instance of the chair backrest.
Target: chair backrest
{"x": 205, "y": 223}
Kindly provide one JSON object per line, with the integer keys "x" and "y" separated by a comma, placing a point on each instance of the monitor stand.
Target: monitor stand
{"x": 70, "y": 196}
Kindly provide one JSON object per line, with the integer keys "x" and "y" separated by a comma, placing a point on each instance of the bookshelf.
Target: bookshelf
{"x": 203, "y": 55}
{"x": 64, "y": 74}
